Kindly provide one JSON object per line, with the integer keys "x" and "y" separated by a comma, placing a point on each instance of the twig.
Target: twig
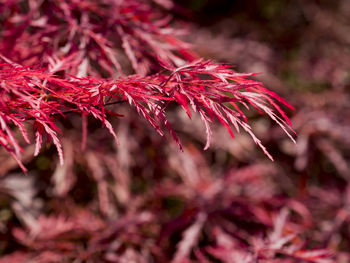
{"x": 75, "y": 111}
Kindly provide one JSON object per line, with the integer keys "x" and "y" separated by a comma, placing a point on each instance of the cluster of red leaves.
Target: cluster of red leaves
{"x": 73, "y": 37}
{"x": 33, "y": 94}
{"x": 90, "y": 37}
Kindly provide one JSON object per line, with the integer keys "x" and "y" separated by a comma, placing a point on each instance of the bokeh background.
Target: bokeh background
{"x": 145, "y": 201}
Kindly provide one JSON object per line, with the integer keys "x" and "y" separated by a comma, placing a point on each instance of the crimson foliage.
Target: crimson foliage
{"x": 73, "y": 44}
{"x": 110, "y": 58}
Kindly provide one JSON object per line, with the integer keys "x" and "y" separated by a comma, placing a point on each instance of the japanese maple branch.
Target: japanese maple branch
{"x": 74, "y": 111}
